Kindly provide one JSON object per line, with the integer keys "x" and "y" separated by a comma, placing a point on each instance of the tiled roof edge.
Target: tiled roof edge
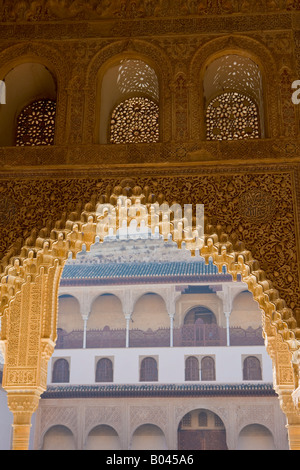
{"x": 122, "y": 390}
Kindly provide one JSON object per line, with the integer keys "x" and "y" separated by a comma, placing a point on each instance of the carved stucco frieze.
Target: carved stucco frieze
{"x": 45, "y": 10}
{"x": 59, "y": 415}
{"x": 157, "y": 415}
{"x": 99, "y": 415}
{"x": 252, "y": 207}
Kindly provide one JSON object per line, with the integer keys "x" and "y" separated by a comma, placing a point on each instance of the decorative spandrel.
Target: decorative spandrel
{"x": 232, "y": 116}
{"x": 135, "y": 120}
{"x": 36, "y": 124}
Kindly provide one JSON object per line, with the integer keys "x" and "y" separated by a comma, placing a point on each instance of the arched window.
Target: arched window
{"x": 129, "y": 110}
{"x": 60, "y": 371}
{"x": 104, "y": 370}
{"x": 233, "y": 98}
{"x": 36, "y": 124}
{"x": 208, "y": 368}
{"x": 148, "y": 371}
{"x": 191, "y": 368}
{"x": 187, "y": 420}
{"x": 202, "y": 314}
{"x": 28, "y": 117}
{"x": 252, "y": 369}
{"x": 218, "y": 422}
{"x": 202, "y": 419}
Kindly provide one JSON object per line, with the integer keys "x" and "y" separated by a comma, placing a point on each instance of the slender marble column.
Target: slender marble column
{"x": 127, "y": 317}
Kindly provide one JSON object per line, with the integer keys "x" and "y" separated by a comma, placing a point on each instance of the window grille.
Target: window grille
{"x": 187, "y": 420}
{"x": 104, "y": 370}
{"x": 208, "y": 369}
{"x": 202, "y": 419}
{"x": 252, "y": 369}
{"x": 60, "y": 371}
{"x": 148, "y": 372}
{"x": 218, "y": 422}
{"x": 135, "y": 120}
{"x": 36, "y": 124}
{"x": 232, "y": 116}
{"x": 191, "y": 368}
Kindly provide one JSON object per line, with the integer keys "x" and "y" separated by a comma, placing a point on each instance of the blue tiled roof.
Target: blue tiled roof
{"x": 127, "y": 271}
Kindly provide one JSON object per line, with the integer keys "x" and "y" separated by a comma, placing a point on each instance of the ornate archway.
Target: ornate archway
{"x": 29, "y": 296}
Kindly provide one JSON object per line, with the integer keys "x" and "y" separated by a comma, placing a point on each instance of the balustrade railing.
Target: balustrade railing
{"x": 248, "y": 337}
{"x": 200, "y": 335}
{"x": 187, "y": 335}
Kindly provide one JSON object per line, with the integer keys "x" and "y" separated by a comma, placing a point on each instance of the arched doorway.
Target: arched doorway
{"x": 201, "y": 429}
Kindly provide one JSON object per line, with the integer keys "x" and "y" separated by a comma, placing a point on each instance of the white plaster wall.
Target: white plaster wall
{"x": 228, "y": 363}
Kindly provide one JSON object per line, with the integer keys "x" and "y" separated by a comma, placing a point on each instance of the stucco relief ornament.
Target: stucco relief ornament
{"x": 8, "y": 210}
{"x": 256, "y": 206}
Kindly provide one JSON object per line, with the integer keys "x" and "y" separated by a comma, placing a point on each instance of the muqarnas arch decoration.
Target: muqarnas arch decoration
{"x": 30, "y": 281}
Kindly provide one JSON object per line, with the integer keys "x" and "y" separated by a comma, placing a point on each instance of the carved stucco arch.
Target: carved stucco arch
{"x": 152, "y": 418}
{"x": 102, "y": 421}
{"x": 155, "y": 291}
{"x": 29, "y": 300}
{"x": 220, "y": 412}
{"x": 260, "y": 420}
{"x": 50, "y": 58}
{"x": 137, "y": 49}
{"x": 106, "y": 291}
{"x": 240, "y": 45}
{"x": 59, "y": 422}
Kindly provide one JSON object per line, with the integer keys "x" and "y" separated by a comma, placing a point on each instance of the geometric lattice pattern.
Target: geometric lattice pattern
{"x": 232, "y": 116}
{"x": 135, "y": 120}
{"x": 135, "y": 76}
{"x": 36, "y": 124}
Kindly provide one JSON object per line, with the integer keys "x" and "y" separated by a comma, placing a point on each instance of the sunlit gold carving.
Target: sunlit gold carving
{"x": 232, "y": 116}
{"x": 36, "y": 124}
{"x": 134, "y": 121}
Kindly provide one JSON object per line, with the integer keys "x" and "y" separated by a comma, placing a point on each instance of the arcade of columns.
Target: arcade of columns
{"x": 250, "y": 190}
{"x": 128, "y": 297}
